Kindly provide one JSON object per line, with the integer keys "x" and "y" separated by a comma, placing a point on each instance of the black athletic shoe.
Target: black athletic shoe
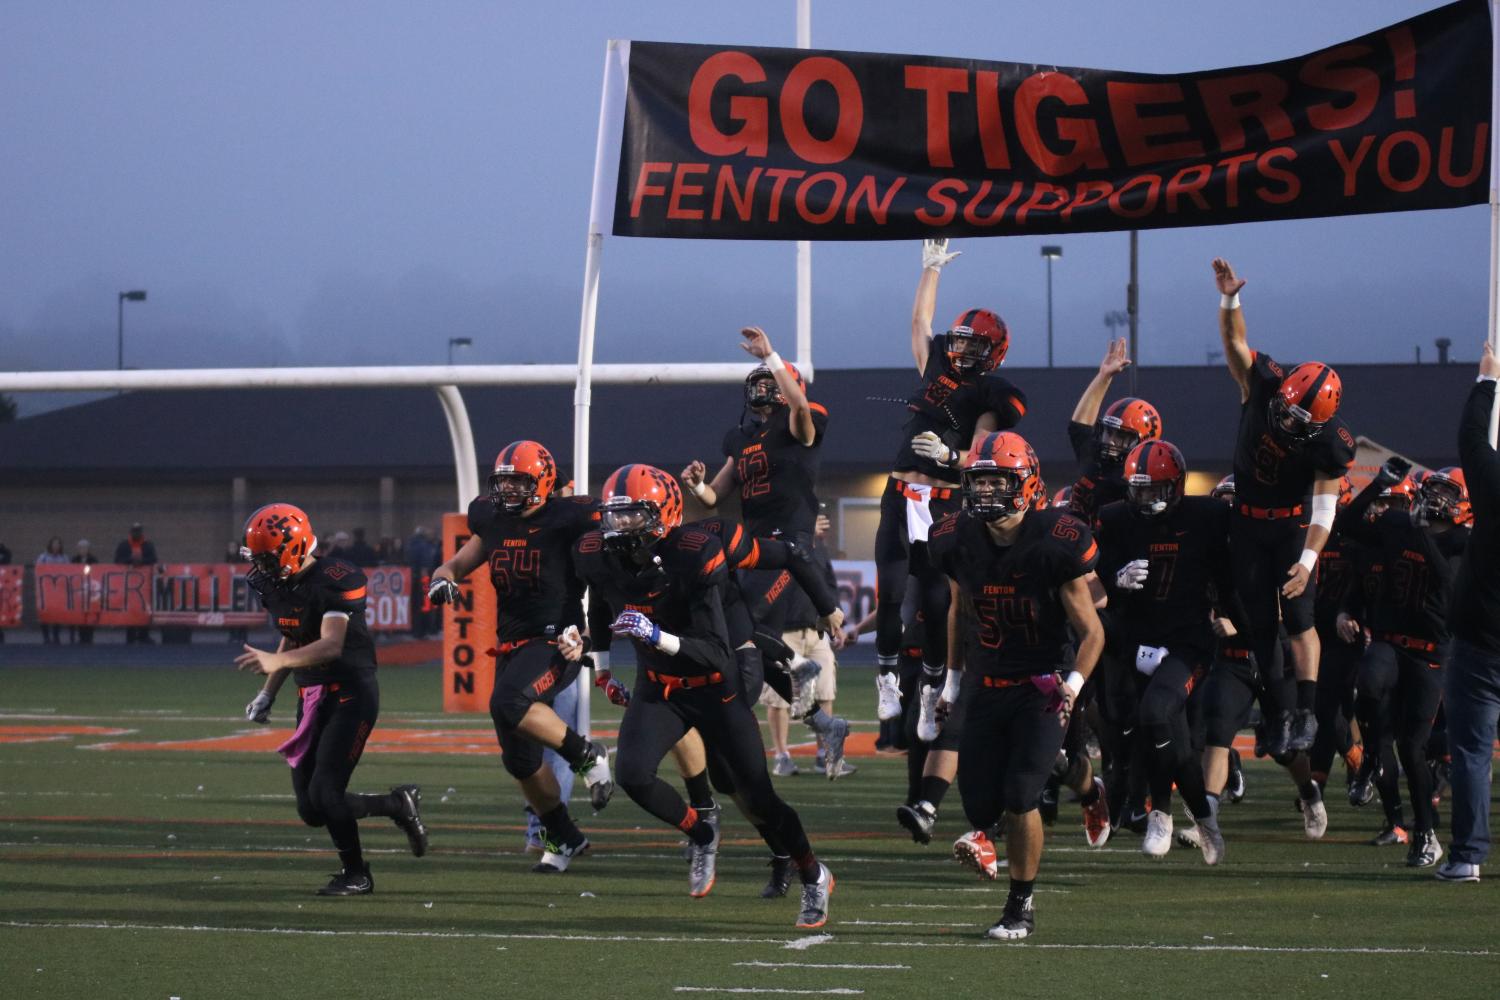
{"x": 1304, "y": 730}
{"x": 1017, "y": 922}
{"x": 349, "y": 883}
{"x": 1234, "y": 791}
{"x": 1362, "y": 788}
{"x": 921, "y": 818}
{"x": 1279, "y": 735}
{"x": 1135, "y": 820}
{"x": 409, "y": 820}
{"x": 780, "y": 881}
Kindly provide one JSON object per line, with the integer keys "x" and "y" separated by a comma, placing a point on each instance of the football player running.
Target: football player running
{"x": 526, "y": 535}
{"x": 1164, "y": 555}
{"x": 1023, "y": 577}
{"x": 318, "y": 605}
{"x": 960, "y": 396}
{"x": 660, "y": 584}
{"x": 1291, "y": 452}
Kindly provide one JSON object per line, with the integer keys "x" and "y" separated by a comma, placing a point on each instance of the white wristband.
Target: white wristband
{"x": 951, "y": 684}
{"x": 669, "y": 643}
{"x": 1488, "y": 378}
{"x": 1309, "y": 560}
{"x": 600, "y": 658}
{"x": 698, "y": 488}
{"x": 1229, "y": 301}
{"x": 773, "y": 361}
{"x": 1075, "y": 680}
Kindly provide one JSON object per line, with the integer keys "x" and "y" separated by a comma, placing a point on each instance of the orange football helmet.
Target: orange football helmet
{"x": 977, "y": 342}
{"x": 1154, "y": 475}
{"x": 1124, "y": 425}
{"x": 638, "y": 506}
{"x": 1001, "y": 476}
{"x": 278, "y": 539}
{"x": 1307, "y": 398}
{"x": 1444, "y": 496}
{"x": 1398, "y": 496}
{"x": 524, "y": 476}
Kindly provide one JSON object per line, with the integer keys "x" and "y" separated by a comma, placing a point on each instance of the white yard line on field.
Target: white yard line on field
{"x": 815, "y": 965}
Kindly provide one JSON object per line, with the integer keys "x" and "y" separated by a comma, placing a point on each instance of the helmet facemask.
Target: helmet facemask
{"x": 1115, "y": 442}
{"x": 968, "y": 352}
{"x": 761, "y": 390}
{"x": 992, "y": 494}
{"x": 1438, "y": 502}
{"x": 1149, "y": 497}
{"x": 514, "y": 492}
{"x": 1291, "y": 422}
{"x": 630, "y": 526}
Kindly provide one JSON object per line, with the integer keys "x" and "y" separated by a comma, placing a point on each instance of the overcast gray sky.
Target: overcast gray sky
{"x": 327, "y": 183}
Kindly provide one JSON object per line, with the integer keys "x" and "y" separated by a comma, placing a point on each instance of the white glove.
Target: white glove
{"x": 1132, "y": 576}
{"x": 259, "y": 710}
{"x": 951, "y": 684}
{"x": 442, "y": 591}
{"x": 935, "y": 254}
{"x": 930, "y": 446}
{"x": 1148, "y": 658}
{"x": 570, "y": 643}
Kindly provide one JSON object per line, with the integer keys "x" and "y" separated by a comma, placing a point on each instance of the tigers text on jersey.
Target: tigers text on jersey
{"x": 537, "y": 593}
{"x": 777, "y": 474}
{"x": 1021, "y": 627}
{"x": 949, "y": 405}
{"x": 1271, "y": 471}
{"x": 1188, "y": 565}
{"x": 680, "y": 591}
{"x": 298, "y": 606}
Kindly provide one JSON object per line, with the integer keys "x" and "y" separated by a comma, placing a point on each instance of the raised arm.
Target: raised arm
{"x": 1481, "y": 463}
{"x": 935, "y": 256}
{"x": 799, "y": 414}
{"x": 1232, "y": 325}
{"x": 694, "y": 477}
{"x": 1115, "y": 361}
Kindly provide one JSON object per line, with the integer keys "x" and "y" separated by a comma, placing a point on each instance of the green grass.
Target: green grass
{"x": 162, "y": 874}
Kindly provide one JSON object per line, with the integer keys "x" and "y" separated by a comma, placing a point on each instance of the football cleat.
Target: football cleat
{"x": 349, "y": 883}
{"x": 918, "y": 820}
{"x": 1314, "y": 815}
{"x": 815, "y": 900}
{"x": 833, "y": 748}
{"x": 783, "y": 766}
{"x": 1158, "y": 834}
{"x": 1210, "y": 838}
{"x": 975, "y": 851}
{"x": 1389, "y": 835}
{"x": 1304, "y": 730}
{"x": 556, "y": 857}
{"x": 1096, "y": 828}
{"x": 782, "y": 871}
{"x": 595, "y": 772}
{"x": 804, "y": 692}
{"x": 1425, "y": 851}
{"x": 704, "y": 858}
{"x": 1458, "y": 871}
{"x": 845, "y": 769}
{"x": 1016, "y": 922}
{"x": 409, "y": 820}
{"x": 1189, "y": 836}
{"x": 1279, "y": 735}
{"x": 1362, "y": 788}
{"x": 888, "y": 693}
{"x": 927, "y": 720}
{"x": 1234, "y": 790}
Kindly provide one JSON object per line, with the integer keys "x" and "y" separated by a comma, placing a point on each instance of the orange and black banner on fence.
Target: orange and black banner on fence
{"x": 738, "y": 142}
{"x": 468, "y": 630}
{"x": 195, "y": 595}
{"x": 12, "y": 579}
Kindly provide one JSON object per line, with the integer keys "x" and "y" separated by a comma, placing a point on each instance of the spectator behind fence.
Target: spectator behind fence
{"x": 52, "y": 634}
{"x": 83, "y": 555}
{"x": 136, "y": 550}
{"x": 338, "y": 548}
{"x": 422, "y": 556}
{"x": 1472, "y": 679}
{"x": 360, "y": 553}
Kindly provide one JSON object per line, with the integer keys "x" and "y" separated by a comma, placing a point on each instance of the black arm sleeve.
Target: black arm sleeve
{"x": 600, "y": 617}
{"x": 1351, "y": 521}
{"x": 1480, "y": 462}
{"x": 707, "y": 644}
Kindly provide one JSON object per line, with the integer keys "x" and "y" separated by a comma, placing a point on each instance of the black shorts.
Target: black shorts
{"x": 1228, "y": 693}
{"x": 532, "y": 673}
{"x": 1263, "y": 551}
{"x": 1007, "y": 750}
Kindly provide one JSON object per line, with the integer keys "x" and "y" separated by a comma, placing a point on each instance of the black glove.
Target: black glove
{"x": 1394, "y": 470}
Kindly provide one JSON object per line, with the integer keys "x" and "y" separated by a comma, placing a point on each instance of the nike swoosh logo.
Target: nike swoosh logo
{"x": 1163, "y": 746}
{"x": 729, "y": 699}
{"x": 345, "y": 701}
{"x": 1136, "y": 817}
{"x": 532, "y": 531}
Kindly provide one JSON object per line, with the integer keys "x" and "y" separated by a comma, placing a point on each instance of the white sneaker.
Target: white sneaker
{"x": 783, "y": 767}
{"x": 927, "y": 723}
{"x": 888, "y": 691}
{"x": 557, "y": 857}
{"x": 596, "y": 775}
{"x": 1315, "y": 817}
{"x": 1458, "y": 871}
{"x": 1158, "y": 834}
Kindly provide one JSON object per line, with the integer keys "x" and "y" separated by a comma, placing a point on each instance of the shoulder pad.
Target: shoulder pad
{"x": 481, "y": 513}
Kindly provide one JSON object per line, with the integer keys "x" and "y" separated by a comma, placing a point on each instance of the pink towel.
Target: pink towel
{"x": 1049, "y": 685}
{"x": 295, "y": 748}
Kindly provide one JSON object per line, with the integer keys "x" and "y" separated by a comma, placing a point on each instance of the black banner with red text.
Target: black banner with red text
{"x": 784, "y": 144}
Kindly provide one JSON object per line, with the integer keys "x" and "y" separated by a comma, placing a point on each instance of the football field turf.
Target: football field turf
{"x": 151, "y": 849}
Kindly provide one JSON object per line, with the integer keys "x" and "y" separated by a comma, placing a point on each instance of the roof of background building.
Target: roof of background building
{"x": 331, "y": 433}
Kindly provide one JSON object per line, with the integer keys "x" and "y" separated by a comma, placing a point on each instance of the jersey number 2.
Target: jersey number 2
{"x": 755, "y": 474}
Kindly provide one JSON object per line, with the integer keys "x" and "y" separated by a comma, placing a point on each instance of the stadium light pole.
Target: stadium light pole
{"x": 1051, "y": 253}
{"x": 139, "y": 295}
{"x": 458, "y": 342}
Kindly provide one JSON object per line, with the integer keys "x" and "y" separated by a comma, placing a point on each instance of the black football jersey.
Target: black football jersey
{"x": 1270, "y": 471}
{"x": 1096, "y": 485}
{"x": 949, "y": 405}
{"x": 680, "y": 591}
{"x": 1187, "y": 553}
{"x": 777, "y": 474}
{"x": 1341, "y": 565}
{"x": 530, "y": 563}
{"x": 1020, "y": 625}
{"x": 298, "y": 606}
{"x": 1418, "y": 568}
